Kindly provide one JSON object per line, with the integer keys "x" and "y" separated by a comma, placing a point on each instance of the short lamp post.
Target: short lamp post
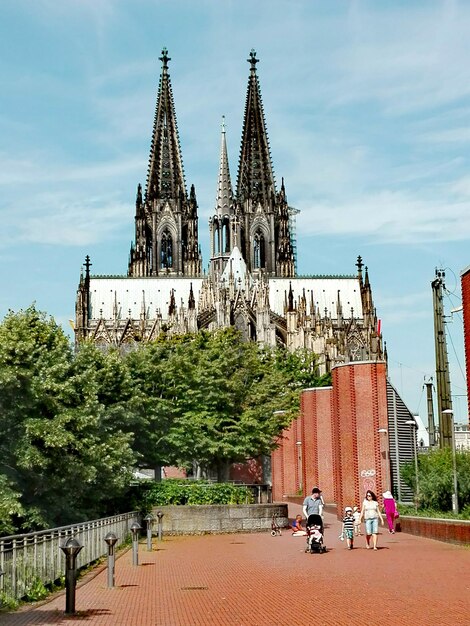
{"x": 135, "y": 529}
{"x": 455, "y": 496}
{"x": 111, "y": 541}
{"x": 149, "y": 519}
{"x": 71, "y": 548}
{"x": 413, "y": 428}
{"x": 160, "y": 525}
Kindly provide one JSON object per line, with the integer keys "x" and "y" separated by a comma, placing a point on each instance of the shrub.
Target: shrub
{"x": 435, "y": 475}
{"x": 180, "y": 492}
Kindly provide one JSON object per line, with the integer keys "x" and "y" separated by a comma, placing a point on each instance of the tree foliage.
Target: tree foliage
{"x": 75, "y": 424}
{"x": 61, "y": 450}
{"x": 435, "y": 478}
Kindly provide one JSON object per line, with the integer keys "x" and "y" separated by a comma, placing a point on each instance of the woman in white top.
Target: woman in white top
{"x": 370, "y": 513}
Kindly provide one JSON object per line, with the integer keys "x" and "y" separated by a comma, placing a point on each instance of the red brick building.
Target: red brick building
{"x": 349, "y": 437}
{"x": 465, "y": 278}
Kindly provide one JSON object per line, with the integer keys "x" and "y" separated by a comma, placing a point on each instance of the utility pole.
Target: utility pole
{"x": 444, "y": 399}
{"x": 431, "y": 425}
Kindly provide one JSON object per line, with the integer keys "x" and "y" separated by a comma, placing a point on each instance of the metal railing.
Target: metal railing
{"x": 27, "y": 559}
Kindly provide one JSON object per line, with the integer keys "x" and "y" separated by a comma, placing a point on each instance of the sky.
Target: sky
{"x": 368, "y": 116}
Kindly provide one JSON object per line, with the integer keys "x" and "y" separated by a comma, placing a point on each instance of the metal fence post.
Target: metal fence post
{"x": 2, "y": 573}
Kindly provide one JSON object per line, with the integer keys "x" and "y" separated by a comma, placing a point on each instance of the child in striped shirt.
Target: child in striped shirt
{"x": 348, "y": 527}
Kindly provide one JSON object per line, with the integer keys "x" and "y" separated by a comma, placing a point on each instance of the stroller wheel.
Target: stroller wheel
{"x": 273, "y": 533}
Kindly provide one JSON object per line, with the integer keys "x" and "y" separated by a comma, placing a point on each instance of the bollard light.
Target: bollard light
{"x": 111, "y": 541}
{"x": 149, "y": 519}
{"x": 135, "y": 529}
{"x": 160, "y": 525}
{"x": 71, "y": 548}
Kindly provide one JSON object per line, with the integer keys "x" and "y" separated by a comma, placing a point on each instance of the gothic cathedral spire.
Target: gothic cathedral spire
{"x": 166, "y": 229}
{"x": 265, "y": 234}
{"x": 222, "y": 225}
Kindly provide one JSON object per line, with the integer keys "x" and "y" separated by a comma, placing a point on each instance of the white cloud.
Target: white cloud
{"x": 388, "y": 216}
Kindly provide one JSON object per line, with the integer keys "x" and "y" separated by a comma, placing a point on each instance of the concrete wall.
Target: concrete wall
{"x": 202, "y": 519}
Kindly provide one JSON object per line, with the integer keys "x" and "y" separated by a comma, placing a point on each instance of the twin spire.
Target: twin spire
{"x": 255, "y": 217}
{"x": 165, "y": 176}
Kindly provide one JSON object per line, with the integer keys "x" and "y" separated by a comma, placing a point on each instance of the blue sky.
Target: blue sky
{"x": 368, "y": 115}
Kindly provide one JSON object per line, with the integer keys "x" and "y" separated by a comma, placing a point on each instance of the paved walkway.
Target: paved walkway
{"x": 259, "y": 580}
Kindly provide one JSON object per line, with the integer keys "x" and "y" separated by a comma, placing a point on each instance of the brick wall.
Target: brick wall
{"x": 359, "y": 411}
{"x": 451, "y": 531}
{"x": 340, "y": 448}
{"x": 250, "y": 472}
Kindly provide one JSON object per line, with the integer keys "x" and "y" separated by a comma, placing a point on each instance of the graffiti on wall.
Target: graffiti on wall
{"x": 368, "y": 480}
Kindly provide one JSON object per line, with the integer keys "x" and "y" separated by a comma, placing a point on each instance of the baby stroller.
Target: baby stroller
{"x": 315, "y": 534}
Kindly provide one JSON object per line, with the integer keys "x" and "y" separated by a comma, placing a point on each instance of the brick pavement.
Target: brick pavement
{"x": 259, "y": 580}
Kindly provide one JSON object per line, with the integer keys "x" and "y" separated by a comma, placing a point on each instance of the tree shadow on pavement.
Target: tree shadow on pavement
{"x": 47, "y": 618}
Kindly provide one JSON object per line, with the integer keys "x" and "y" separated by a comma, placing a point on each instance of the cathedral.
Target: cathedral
{"x": 251, "y": 282}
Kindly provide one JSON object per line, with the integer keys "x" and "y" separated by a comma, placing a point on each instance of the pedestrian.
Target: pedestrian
{"x": 357, "y": 521}
{"x": 321, "y": 496}
{"x": 390, "y": 510}
{"x": 348, "y": 527}
{"x": 313, "y": 504}
{"x": 371, "y": 514}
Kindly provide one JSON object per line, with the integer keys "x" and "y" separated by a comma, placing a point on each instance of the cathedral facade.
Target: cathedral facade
{"x": 252, "y": 280}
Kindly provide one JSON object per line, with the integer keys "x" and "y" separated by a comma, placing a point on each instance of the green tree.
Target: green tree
{"x": 10, "y": 506}
{"x": 63, "y": 452}
{"x": 213, "y": 399}
{"x": 435, "y": 476}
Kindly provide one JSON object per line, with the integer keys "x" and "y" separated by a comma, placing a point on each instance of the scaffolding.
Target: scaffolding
{"x": 293, "y": 232}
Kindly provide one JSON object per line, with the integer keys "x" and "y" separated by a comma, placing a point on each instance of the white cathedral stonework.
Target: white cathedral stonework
{"x": 251, "y": 283}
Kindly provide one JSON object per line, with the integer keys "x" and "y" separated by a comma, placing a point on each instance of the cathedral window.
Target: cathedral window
{"x": 216, "y": 238}
{"x": 259, "y": 251}
{"x": 166, "y": 252}
{"x": 226, "y": 237}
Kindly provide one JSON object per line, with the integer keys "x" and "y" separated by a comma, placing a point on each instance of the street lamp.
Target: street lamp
{"x": 413, "y": 428}
{"x": 455, "y": 497}
{"x": 299, "y": 464}
{"x": 385, "y": 454}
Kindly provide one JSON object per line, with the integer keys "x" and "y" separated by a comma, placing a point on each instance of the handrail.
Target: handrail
{"x": 36, "y": 557}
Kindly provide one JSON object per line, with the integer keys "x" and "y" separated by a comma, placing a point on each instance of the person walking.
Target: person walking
{"x": 390, "y": 510}
{"x": 371, "y": 514}
{"x": 357, "y": 521}
{"x": 313, "y": 504}
{"x": 348, "y": 527}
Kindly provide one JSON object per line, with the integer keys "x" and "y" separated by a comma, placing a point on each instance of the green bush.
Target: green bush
{"x": 180, "y": 492}
{"x": 37, "y": 591}
{"x": 7, "y": 603}
{"x": 435, "y": 475}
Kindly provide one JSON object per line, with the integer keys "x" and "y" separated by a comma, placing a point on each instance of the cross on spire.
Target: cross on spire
{"x": 253, "y": 60}
{"x": 164, "y": 59}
